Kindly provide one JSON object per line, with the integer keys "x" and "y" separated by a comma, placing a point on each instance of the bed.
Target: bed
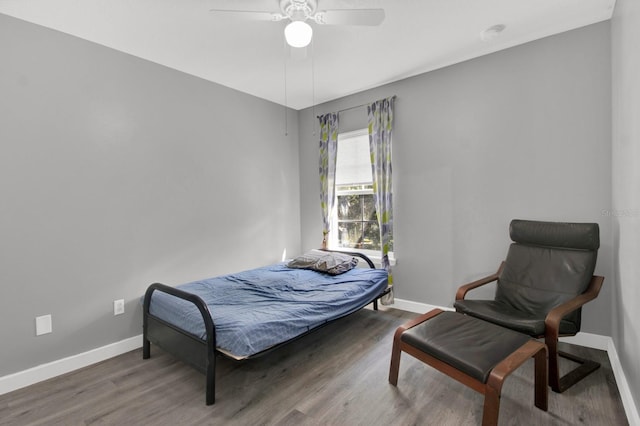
{"x": 248, "y": 314}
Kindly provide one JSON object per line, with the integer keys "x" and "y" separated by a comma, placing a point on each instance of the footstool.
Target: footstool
{"x": 477, "y": 353}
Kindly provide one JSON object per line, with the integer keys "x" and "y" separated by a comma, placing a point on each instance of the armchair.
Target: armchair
{"x": 541, "y": 287}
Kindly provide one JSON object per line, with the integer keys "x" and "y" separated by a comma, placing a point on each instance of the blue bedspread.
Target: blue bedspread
{"x": 259, "y": 308}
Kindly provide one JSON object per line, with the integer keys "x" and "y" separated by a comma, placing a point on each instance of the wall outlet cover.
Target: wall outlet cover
{"x": 43, "y": 325}
{"x": 118, "y": 307}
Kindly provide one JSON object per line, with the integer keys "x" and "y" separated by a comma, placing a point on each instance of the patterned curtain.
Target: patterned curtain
{"x": 380, "y": 135}
{"x": 328, "y": 151}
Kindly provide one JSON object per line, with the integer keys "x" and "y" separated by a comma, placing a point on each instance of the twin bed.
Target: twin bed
{"x": 247, "y": 314}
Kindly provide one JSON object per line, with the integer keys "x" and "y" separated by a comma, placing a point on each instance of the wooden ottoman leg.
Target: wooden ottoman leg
{"x": 395, "y": 358}
{"x": 496, "y": 379}
{"x": 491, "y": 407}
{"x": 397, "y": 342}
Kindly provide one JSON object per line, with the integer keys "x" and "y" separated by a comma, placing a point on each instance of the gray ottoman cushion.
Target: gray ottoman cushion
{"x": 468, "y": 344}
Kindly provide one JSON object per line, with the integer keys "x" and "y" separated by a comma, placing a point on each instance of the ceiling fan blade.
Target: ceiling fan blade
{"x": 250, "y": 15}
{"x": 370, "y": 17}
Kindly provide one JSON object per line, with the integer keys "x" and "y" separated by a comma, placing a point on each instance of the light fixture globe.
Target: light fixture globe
{"x": 298, "y": 34}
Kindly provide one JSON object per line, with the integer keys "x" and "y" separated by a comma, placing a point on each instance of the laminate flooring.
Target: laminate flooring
{"x": 337, "y": 375}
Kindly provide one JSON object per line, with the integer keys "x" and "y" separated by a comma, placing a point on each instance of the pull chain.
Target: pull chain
{"x": 286, "y": 120}
{"x": 313, "y": 89}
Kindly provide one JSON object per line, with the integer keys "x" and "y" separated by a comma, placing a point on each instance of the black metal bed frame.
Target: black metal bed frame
{"x": 197, "y": 352}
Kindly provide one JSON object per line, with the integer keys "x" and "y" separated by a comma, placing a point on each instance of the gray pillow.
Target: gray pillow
{"x": 322, "y": 261}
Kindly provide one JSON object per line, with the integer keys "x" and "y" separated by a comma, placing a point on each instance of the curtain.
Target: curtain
{"x": 328, "y": 150}
{"x": 380, "y": 114}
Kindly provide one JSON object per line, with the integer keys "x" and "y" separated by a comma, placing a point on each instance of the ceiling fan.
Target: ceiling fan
{"x": 298, "y": 32}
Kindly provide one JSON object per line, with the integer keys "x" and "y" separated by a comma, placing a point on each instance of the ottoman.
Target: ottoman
{"x": 477, "y": 353}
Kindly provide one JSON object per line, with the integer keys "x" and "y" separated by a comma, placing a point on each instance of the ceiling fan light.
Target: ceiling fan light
{"x": 298, "y": 34}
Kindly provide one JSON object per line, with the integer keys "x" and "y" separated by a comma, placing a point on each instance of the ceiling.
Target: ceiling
{"x": 416, "y": 36}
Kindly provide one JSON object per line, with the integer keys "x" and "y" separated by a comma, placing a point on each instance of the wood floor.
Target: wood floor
{"x": 335, "y": 376}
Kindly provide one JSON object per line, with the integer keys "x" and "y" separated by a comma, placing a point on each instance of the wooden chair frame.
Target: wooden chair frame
{"x": 493, "y": 387}
{"x": 552, "y": 331}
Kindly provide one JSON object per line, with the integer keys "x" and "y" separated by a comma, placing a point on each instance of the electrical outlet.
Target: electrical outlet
{"x": 43, "y": 325}
{"x": 118, "y": 307}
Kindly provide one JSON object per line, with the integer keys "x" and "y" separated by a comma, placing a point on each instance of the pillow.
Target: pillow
{"x": 307, "y": 260}
{"x": 335, "y": 263}
{"x": 322, "y": 261}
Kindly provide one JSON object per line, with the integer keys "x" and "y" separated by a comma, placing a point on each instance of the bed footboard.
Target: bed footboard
{"x": 200, "y": 353}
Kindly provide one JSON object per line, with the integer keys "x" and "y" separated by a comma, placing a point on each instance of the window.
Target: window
{"x": 354, "y": 219}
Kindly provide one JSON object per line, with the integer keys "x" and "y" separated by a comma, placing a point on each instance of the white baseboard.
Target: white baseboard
{"x": 595, "y": 341}
{"x": 630, "y": 408}
{"x": 416, "y": 307}
{"x": 52, "y": 369}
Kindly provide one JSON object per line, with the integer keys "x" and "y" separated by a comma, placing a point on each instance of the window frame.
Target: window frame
{"x": 374, "y": 255}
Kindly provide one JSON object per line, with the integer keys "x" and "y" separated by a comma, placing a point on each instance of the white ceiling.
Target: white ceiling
{"x": 416, "y": 36}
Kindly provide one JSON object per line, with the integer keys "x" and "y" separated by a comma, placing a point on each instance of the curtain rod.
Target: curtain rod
{"x": 357, "y": 106}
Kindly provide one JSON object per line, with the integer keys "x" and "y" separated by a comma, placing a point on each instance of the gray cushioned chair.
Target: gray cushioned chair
{"x": 541, "y": 286}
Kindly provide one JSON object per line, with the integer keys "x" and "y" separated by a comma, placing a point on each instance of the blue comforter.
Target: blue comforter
{"x": 259, "y": 308}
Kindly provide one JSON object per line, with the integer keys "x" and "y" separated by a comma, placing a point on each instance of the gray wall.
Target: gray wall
{"x": 115, "y": 173}
{"x": 626, "y": 188}
{"x": 522, "y": 133}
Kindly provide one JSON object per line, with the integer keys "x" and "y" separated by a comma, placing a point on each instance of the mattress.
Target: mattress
{"x": 256, "y": 309}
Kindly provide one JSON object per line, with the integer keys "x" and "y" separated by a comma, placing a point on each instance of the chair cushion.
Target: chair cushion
{"x": 505, "y": 316}
{"x": 537, "y": 279}
{"x": 577, "y": 236}
{"x": 472, "y": 346}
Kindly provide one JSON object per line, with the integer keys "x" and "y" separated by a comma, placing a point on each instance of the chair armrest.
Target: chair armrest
{"x": 464, "y": 289}
{"x": 552, "y": 321}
